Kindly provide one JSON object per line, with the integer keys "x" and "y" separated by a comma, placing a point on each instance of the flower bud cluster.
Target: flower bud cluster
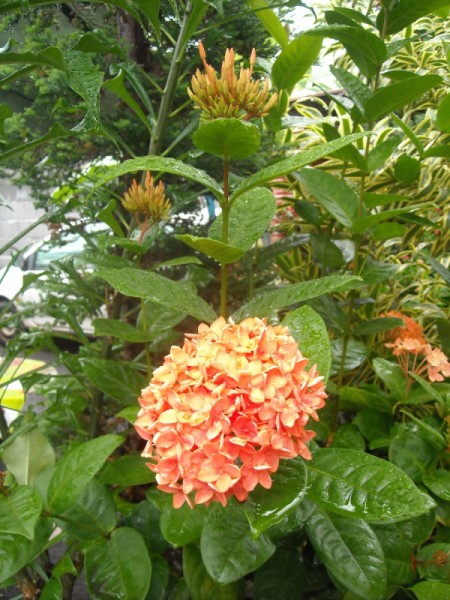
{"x": 150, "y": 202}
{"x": 230, "y": 96}
{"x": 222, "y": 410}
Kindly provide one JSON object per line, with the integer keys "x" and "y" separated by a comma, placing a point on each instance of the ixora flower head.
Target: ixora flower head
{"x": 150, "y": 201}
{"x": 414, "y": 353}
{"x": 222, "y": 410}
{"x": 230, "y": 96}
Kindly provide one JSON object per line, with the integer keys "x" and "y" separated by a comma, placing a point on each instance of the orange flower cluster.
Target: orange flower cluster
{"x": 223, "y": 409}
{"x": 230, "y": 96}
{"x": 150, "y": 201}
{"x": 414, "y": 353}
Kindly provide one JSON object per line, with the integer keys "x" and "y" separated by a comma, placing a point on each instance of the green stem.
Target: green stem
{"x": 171, "y": 83}
{"x": 225, "y": 220}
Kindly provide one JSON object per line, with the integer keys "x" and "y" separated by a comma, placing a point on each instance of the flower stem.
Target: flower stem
{"x": 225, "y": 219}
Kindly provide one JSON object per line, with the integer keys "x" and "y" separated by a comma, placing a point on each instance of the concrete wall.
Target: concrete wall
{"x": 16, "y": 214}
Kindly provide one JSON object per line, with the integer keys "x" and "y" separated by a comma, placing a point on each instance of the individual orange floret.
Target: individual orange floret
{"x": 222, "y": 410}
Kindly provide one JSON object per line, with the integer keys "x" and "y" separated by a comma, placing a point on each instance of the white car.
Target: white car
{"x": 28, "y": 299}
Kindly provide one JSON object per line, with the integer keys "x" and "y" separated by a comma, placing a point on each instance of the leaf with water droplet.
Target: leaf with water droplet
{"x": 265, "y": 508}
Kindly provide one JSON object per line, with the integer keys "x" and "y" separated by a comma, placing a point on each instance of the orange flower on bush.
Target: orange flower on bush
{"x": 223, "y": 409}
{"x": 414, "y": 353}
{"x": 229, "y": 95}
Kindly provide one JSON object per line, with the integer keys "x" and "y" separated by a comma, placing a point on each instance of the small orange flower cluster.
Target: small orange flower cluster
{"x": 230, "y": 96}
{"x": 223, "y": 409}
{"x": 150, "y": 203}
{"x": 414, "y": 353}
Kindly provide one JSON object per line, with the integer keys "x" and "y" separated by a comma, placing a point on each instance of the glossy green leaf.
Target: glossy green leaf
{"x": 92, "y": 515}
{"x": 271, "y": 22}
{"x": 406, "y": 169}
{"x": 348, "y": 153}
{"x": 356, "y": 89}
{"x": 49, "y": 57}
{"x": 16, "y": 551}
{"x": 151, "y": 286}
{"x": 282, "y": 576}
{"x": 179, "y": 260}
{"x": 120, "y": 329}
{"x": 222, "y": 253}
{"x": 117, "y": 86}
{"x": 228, "y": 550}
{"x": 126, "y": 471}
{"x": 309, "y": 331}
{"x": 355, "y": 15}
{"x": 440, "y": 269}
{"x": 93, "y": 42}
{"x": 442, "y": 151}
{"x": 27, "y": 455}
{"x": 388, "y": 231}
{"x": 86, "y": 80}
{"x": 119, "y": 380}
{"x": 355, "y": 355}
{"x": 229, "y": 138}
{"x": 431, "y": 590}
{"x": 151, "y": 11}
{"x": 367, "y": 50}
{"x": 293, "y": 163}
{"x": 373, "y": 326}
{"x": 145, "y": 518}
{"x": 438, "y": 482}
{"x": 265, "y": 508}
{"x": 379, "y": 154}
{"x": 118, "y": 567}
{"x": 397, "y": 95}
{"x": 77, "y": 468}
{"x": 411, "y": 453}
{"x": 371, "y": 220}
{"x": 405, "y": 12}
{"x": 292, "y": 294}
{"x": 19, "y": 511}
{"x": 350, "y": 551}
{"x": 397, "y": 552}
{"x": 325, "y": 252}
{"x": 374, "y": 271}
{"x": 373, "y": 424}
{"x": 410, "y": 134}
{"x": 391, "y": 375}
{"x": 181, "y": 526}
{"x": 55, "y": 132}
{"x": 359, "y": 398}
{"x": 348, "y": 436}
{"x": 294, "y": 61}
{"x": 332, "y": 193}
{"x": 429, "y": 565}
{"x": 249, "y": 217}
{"x": 363, "y": 486}
{"x": 164, "y": 165}
{"x": 200, "y": 583}
{"x": 52, "y": 590}
{"x": 372, "y": 200}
